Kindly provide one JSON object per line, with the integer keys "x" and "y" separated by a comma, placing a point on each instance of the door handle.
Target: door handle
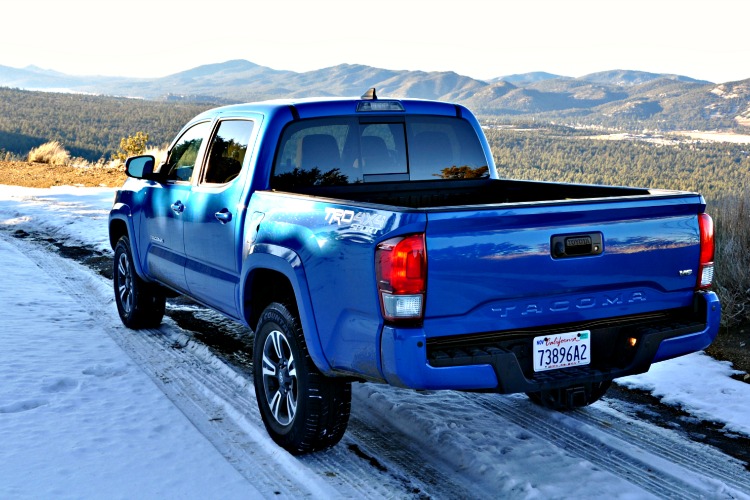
{"x": 223, "y": 215}
{"x": 178, "y": 207}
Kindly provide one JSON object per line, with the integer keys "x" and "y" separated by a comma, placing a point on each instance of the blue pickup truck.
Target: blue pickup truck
{"x": 369, "y": 239}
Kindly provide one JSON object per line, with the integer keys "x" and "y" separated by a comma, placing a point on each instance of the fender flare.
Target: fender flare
{"x": 288, "y": 263}
{"x": 121, "y": 212}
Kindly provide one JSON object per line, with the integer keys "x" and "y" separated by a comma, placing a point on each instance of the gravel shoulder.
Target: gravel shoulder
{"x": 42, "y": 175}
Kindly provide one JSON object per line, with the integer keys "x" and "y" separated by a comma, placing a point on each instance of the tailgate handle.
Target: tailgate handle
{"x": 565, "y": 246}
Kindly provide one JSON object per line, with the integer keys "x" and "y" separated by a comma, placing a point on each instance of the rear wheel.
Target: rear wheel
{"x": 569, "y": 398}
{"x": 302, "y": 409}
{"x": 139, "y": 303}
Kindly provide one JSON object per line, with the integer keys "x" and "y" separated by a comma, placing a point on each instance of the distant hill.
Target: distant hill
{"x": 526, "y": 78}
{"x": 36, "y": 78}
{"x": 629, "y": 77}
{"x": 240, "y": 80}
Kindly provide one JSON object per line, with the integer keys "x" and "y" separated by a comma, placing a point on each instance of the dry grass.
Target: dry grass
{"x": 732, "y": 261}
{"x": 51, "y": 153}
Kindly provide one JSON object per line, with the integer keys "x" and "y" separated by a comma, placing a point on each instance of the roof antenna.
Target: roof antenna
{"x": 370, "y": 95}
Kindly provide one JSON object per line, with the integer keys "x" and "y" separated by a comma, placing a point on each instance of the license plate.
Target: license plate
{"x": 562, "y": 350}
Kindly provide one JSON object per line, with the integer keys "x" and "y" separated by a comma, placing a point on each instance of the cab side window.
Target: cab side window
{"x": 184, "y": 155}
{"x": 227, "y": 151}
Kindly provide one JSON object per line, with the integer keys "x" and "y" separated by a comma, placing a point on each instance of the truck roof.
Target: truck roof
{"x": 336, "y": 106}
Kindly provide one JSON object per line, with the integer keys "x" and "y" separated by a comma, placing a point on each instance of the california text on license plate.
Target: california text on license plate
{"x": 562, "y": 350}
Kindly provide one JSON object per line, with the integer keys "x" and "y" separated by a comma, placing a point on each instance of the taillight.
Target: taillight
{"x": 706, "y": 268}
{"x": 401, "y": 270}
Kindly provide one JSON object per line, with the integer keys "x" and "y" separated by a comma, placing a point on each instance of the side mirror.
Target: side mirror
{"x": 140, "y": 167}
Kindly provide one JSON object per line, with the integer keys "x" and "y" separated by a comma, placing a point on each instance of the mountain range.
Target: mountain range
{"x": 618, "y": 98}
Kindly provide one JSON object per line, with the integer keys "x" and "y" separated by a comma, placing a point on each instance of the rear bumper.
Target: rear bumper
{"x": 410, "y": 360}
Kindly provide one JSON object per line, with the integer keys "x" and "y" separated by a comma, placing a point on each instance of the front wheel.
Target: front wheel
{"x": 140, "y": 304}
{"x": 303, "y": 410}
{"x": 569, "y": 398}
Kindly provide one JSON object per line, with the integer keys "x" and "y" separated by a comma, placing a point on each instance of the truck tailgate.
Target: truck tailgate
{"x": 529, "y": 265}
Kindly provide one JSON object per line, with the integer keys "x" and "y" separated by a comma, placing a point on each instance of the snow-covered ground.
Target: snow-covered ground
{"x": 77, "y": 417}
{"x": 81, "y": 418}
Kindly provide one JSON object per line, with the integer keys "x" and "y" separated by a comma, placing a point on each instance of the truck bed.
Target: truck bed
{"x": 442, "y": 193}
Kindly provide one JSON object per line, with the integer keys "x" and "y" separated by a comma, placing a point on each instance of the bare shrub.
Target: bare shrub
{"x": 133, "y": 145}
{"x": 51, "y": 153}
{"x": 731, "y": 216}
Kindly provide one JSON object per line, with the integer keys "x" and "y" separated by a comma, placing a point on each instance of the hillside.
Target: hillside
{"x": 90, "y": 124}
{"x": 663, "y": 104}
{"x": 626, "y": 99}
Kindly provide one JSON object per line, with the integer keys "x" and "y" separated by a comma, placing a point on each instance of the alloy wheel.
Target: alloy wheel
{"x": 280, "y": 381}
{"x": 125, "y": 283}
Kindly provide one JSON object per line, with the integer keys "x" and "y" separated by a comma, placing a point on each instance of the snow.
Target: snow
{"x": 74, "y": 407}
{"x": 72, "y": 215}
{"x": 79, "y": 418}
{"x": 702, "y": 386}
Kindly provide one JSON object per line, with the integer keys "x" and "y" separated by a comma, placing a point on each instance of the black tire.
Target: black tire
{"x": 303, "y": 410}
{"x": 140, "y": 304}
{"x": 569, "y": 398}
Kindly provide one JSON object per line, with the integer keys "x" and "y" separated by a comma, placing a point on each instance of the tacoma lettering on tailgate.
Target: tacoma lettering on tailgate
{"x": 556, "y": 306}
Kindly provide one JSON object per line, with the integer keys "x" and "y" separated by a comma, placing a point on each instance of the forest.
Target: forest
{"x": 554, "y": 153}
{"x": 89, "y": 127}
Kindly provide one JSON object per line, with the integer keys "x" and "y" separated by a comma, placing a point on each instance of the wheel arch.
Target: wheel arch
{"x": 121, "y": 224}
{"x": 279, "y": 277}
{"x": 263, "y": 287}
{"x": 117, "y": 229}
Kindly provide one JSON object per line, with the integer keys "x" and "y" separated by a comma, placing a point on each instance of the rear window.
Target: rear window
{"x": 349, "y": 150}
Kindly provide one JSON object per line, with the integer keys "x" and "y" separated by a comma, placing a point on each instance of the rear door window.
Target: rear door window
{"x": 227, "y": 151}
{"x": 309, "y": 154}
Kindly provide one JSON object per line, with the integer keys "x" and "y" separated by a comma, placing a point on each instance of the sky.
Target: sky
{"x": 89, "y": 409}
{"x": 484, "y": 39}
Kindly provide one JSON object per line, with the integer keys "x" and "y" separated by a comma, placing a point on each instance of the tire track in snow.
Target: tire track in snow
{"x": 421, "y": 473}
{"x": 695, "y": 457}
{"x": 666, "y": 475}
